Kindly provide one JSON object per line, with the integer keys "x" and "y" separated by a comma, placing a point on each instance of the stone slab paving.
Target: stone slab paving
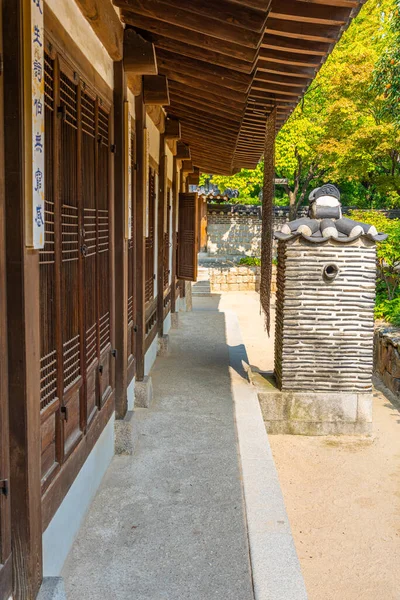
{"x": 168, "y": 523}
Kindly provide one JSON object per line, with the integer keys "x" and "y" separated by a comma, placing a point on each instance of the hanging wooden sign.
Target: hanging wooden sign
{"x": 35, "y": 237}
{"x": 146, "y": 170}
{"x": 128, "y": 171}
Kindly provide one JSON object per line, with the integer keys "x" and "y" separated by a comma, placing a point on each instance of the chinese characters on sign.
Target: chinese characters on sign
{"x": 128, "y": 172}
{"x": 146, "y": 170}
{"x": 37, "y": 69}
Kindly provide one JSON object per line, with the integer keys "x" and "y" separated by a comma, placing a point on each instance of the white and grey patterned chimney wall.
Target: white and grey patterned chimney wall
{"x": 325, "y": 300}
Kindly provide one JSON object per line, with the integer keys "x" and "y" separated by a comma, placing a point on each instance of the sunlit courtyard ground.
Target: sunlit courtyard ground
{"x": 342, "y": 493}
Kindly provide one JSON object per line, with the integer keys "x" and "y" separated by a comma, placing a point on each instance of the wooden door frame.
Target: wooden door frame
{"x": 23, "y": 318}
{"x": 5, "y": 506}
{"x": 140, "y": 250}
{"x": 120, "y": 245}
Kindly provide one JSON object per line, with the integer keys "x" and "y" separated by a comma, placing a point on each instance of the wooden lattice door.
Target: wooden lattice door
{"x": 131, "y": 268}
{"x": 187, "y": 237}
{"x": 5, "y": 522}
{"x": 75, "y": 271}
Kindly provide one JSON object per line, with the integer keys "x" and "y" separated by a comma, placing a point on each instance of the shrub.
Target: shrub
{"x": 388, "y": 259}
{"x": 250, "y": 261}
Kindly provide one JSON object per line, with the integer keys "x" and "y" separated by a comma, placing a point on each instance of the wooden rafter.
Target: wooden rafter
{"x": 102, "y": 17}
{"x": 229, "y": 65}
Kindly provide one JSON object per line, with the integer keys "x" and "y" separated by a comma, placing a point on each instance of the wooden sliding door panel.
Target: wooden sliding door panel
{"x": 70, "y": 263}
{"x": 104, "y": 266}
{"x": 188, "y": 237}
{"x": 89, "y": 250}
{"x": 131, "y": 268}
{"x": 5, "y": 507}
{"x": 49, "y": 297}
{"x": 150, "y": 239}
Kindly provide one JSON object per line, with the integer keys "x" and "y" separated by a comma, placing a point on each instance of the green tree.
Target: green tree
{"x": 346, "y": 128}
{"x": 337, "y": 132}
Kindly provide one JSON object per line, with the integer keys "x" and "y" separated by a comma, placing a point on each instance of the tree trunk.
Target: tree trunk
{"x": 292, "y": 206}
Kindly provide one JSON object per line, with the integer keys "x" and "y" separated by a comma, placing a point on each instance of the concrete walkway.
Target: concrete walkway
{"x": 169, "y": 522}
{"x": 197, "y": 512}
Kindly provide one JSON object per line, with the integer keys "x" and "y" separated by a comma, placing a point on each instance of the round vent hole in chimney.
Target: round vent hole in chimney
{"x": 330, "y": 272}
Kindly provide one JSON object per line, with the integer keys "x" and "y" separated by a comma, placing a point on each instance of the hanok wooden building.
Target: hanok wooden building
{"x": 109, "y": 111}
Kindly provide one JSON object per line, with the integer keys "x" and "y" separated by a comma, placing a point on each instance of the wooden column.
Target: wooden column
{"x": 162, "y": 199}
{"x": 5, "y": 499}
{"x": 267, "y": 217}
{"x": 22, "y": 281}
{"x": 174, "y": 233}
{"x": 141, "y": 178}
{"x": 120, "y": 245}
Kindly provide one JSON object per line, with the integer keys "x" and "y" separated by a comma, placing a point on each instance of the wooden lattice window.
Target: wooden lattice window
{"x": 187, "y": 237}
{"x": 75, "y": 272}
{"x": 167, "y": 242}
{"x": 149, "y": 259}
{"x": 131, "y": 261}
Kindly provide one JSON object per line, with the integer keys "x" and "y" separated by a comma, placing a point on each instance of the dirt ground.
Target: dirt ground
{"x": 343, "y": 500}
{"x": 342, "y": 493}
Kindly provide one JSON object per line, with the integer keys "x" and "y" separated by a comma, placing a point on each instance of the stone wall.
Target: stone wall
{"x": 235, "y": 230}
{"x": 233, "y": 235}
{"x": 387, "y": 357}
{"x": 237, "y": 279}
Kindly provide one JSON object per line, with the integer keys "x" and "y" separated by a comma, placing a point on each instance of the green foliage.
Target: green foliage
{"x": 251, "y": 261}
{"x": 388, "y": 259}
{"x": 346, "y": 128}
{"x": 247, "y": 182}
{"x": 386, "y": 82}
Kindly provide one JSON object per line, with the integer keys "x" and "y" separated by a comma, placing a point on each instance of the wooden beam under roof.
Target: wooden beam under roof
{"x": 210, "y": 56}
{"x": 184, "y": 91}
{"x": 182, "y": 34}
{"x": 174, "y": 70}
{"x": 222, "y": 116}
{"x": 226, "y": 12}
{"x": 288, "y": 70}
{"x": 139, "y": 54}
{"x": 186, "y": 114}
{"x": 104, "y": 21}
{"x": 280, "y": 79}
{"x": 182, "y": 151}
{"x": 309, "y": 12}
{"x": 305, "y": 31}
{"x": 201, "y": 102}
{"x": 172, "y": 129}
{"x": 298, "y": 46}
{"x": 275, "y": 89}
{"x": 289, "y": 58}
{"x": 205, "y": 86}
{"x": 203, "y": 68}
{"x": 187, "y": 19}
{"x": 155, "y": 90}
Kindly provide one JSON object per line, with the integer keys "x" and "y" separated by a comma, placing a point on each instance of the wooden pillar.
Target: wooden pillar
{"x": 162, "y": 199}
{"x": 267, "y": 217}
{"x": 174, "y": 233}
{"x": 141, "y": 179}
{"x": 120, "y": 245}
{"x": 5, "y": 499}
{"x": 22, "y": 280}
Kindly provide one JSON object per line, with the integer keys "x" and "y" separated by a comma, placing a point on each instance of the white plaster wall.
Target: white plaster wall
{"x": 154, "y": 139}
{"x": 131, "y": 394}
{"x": 68, "y": 13}
{"x": 63, "y": 528}
{"x": 170, "y": 164}
{"x": 167, "y": 323}
{"x": 150, "y": 356}
{"x": 131, "y": 100}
